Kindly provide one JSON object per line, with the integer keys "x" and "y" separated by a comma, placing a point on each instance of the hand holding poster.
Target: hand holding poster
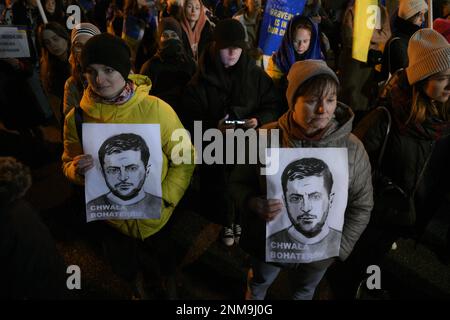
{"x": 126, "y": 180}
{"x": 313, "y": 183}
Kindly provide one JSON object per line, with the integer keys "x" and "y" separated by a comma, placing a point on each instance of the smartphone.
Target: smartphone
{"x": 235, "y": 122}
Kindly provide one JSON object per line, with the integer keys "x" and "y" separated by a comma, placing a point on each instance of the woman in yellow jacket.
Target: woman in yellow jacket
{"x": 114, "y": 96}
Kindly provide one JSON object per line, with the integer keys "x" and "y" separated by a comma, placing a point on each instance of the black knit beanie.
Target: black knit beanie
{"x": 108, "y": 50}
{"x": 229, "y": 33}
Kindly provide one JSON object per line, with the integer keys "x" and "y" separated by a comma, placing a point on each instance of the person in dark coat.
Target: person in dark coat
{"x": 227, "y": 86}
{"x": 314, "y": 120}
{"x": 31, "y": 267}
{"x": 55, "y": 66}
{"x": 417, "y": 151}
{"x": 197, "y": 30}
{"x": 171, "y": 68}
{"x": 409, "y": 19}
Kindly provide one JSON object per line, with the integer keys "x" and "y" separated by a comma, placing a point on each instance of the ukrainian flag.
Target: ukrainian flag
{"x": 363, "y": 27}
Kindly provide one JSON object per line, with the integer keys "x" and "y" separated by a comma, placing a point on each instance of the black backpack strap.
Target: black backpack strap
{"x": 386, "y": 137}
{"x": 389, "y": 53}
{"x": 79, "y": 123}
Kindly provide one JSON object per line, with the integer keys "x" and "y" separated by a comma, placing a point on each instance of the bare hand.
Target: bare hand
{"x": 83, "y": 163}
{"x": 267, "y": 209}
{"x": 251, "y": 123}
{"x": 15, "y": 63}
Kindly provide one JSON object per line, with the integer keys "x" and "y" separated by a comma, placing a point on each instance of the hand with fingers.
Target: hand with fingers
{"x": 222, "y": 126}
{"x": 266, "y": 209}
{"x": 251, "y": 123}
{"x": 83, "y": 163}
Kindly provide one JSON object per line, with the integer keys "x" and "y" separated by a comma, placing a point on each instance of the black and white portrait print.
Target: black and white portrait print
{"x": 313, "y": 185}
{"x": 125, "y": 182}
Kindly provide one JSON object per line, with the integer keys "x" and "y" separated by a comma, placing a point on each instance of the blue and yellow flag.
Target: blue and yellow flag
{"x": 276, "y": 17}
{"x": 363, "y": 25}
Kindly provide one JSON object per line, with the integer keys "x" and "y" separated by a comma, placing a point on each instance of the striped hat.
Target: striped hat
{"x": 428, "y": 53}
{"x": 84, "y": 28}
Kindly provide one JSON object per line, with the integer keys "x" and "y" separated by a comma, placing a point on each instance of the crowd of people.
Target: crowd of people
{"x": 175, "y": 62}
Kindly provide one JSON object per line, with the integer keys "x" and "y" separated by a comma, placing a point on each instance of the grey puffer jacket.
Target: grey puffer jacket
{"x": 246, "y": 182}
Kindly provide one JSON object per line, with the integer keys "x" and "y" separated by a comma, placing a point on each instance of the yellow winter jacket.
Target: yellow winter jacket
{"x": 274, "y": 72}
{"x": 141, "y": 108}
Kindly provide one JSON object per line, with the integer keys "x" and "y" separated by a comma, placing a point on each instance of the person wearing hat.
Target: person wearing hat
{"x": 115, "y": 96}
{"x": 74, "y": 86}
{"x": 171, "y": 68}
{"x": 314, "y": 119}
{"x": 227, "y": 86}
{"x": 417, "y": 153}
{"x": 410, "y": 18}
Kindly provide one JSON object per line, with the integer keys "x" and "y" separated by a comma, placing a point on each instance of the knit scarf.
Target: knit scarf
{"x": 123, "y": 97}
{"x": 291, "y": 131}
{"x": 194, "y": 34}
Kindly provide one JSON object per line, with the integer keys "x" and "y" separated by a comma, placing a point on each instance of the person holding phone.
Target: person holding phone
{"x": 228, "y": 86}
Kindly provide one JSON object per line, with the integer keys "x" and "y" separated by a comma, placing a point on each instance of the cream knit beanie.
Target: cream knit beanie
{"x": 428, "y": 53}
{"x": 409, "y": 8}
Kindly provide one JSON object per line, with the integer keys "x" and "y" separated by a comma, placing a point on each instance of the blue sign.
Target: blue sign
{"x": 275, "y": 20}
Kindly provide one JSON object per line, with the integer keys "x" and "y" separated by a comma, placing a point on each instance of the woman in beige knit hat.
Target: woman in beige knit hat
{"x": 417, "y": 152}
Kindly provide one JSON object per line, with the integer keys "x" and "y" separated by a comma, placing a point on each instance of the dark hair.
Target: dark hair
{"x": 124, "y": 142}
{"x": 316, "y": 86}
{"x": 422, "y": 106}
{"x": 58, "y": 29}
{"x": 302, "y": 23}
{"x": 58, "y": 14}
{"x": 48, "y": 70}
{"x": 307, "y": 167}
{"x": 15, "y": 180}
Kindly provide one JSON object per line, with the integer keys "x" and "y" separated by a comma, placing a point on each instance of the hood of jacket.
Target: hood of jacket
{"x": 211, "y": 70}
{"x": 102, "y": 111}
{"x": 334, "y": 136}
{"x": 285, "y": 57}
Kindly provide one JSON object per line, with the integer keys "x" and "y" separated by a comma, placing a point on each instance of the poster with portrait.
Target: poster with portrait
{"x": 313, "y": 186}
{"x": 125, "y": 182}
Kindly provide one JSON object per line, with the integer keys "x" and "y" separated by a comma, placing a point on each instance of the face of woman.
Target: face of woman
{"x": 437, "y": 87}
{"x": 78, "y": 45}
{"x": 56, "y": 45}
{"x": 230, "y": 56}
{"x": 105, "y": 81}
{"x": 302, "y": 40}
{"x": 50, "y": 6}
{"x": 419, "y": 20}
{"x": 192, "y": 10}
{"x": 314, "y": 113}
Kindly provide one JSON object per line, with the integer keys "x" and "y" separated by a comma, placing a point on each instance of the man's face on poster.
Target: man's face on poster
{"x": 307, "y": 203}
{"x": 125, "y": 173}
